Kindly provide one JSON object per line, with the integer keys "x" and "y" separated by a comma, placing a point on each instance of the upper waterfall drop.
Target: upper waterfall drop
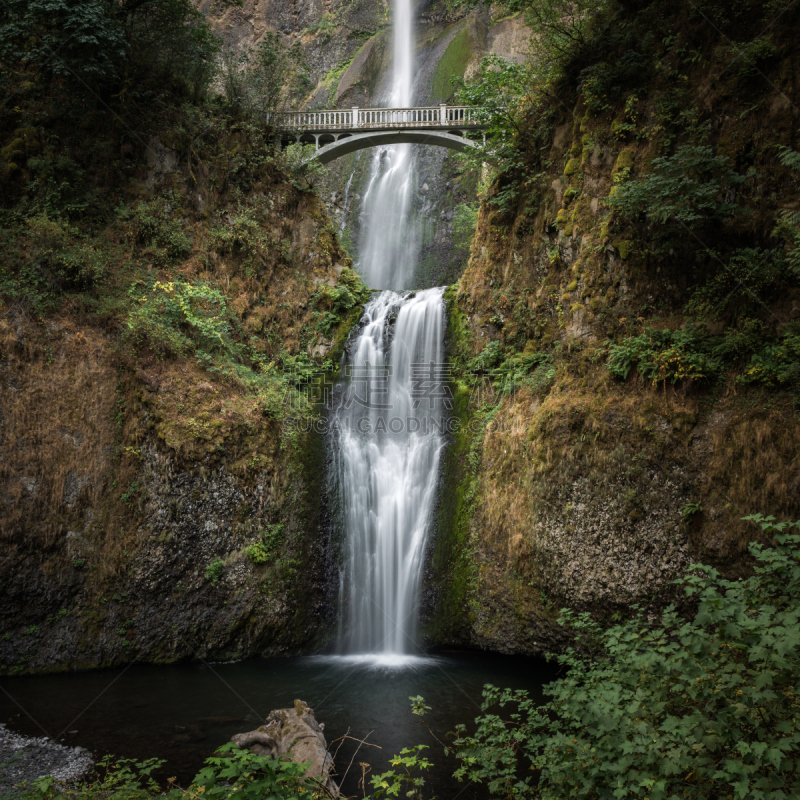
{"x": 389, "y": 246}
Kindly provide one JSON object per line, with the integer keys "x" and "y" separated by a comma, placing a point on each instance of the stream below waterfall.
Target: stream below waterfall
{"x": 182, "y": 713}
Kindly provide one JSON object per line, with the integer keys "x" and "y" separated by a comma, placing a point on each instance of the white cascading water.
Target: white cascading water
{"x": 387, "y": 464}
{"x": 389, "y": 246}
{"x": 388, "y": 436}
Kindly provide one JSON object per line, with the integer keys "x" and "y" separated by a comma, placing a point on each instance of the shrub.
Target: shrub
{"x": 229, "y": 773}
{"x": 63, "y": 257}
{"x": 264, "y": 78}
{"x": 788, "y": 226}
{"x": 690, "y": 186}
{"x": 776, "y": 364}
{"x": 156, "y": 231}
{"x": 695, "y": 709}
{"x": 214, "y": 570}
{"x": 175, "y": 317}
{"x": 488, "y": 358}
{"x": 661, "y": 356}
{"x": 267, "y": 549}
{"x": 752, "y": 276}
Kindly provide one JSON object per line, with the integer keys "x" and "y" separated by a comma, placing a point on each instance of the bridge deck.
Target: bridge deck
{"x": 362, "y": 120}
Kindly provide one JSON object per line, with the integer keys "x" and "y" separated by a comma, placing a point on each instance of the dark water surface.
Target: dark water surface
{"x": 182, "y": 713}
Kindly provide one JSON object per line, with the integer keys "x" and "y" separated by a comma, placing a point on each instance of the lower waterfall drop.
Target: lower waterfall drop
{"x": 389, "y": 427}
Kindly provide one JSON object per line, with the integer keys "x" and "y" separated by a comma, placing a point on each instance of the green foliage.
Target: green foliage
{"x": 229, "y": 773}
{"x": 465, "y": 221}
{"x": 94, "y": 46}
{"x": 175, "y": 317}
{"x": 123, "y": 779}
{"x": 214, "y": 570}
{"x": 499, "y": 88}
{"x": 41, "y": 258}
{"x": 776, "y": 364}
{"x": 688, "y": 354}
{"x": 408, "y": 781}
{"x": 262, "y": 79}
{"x": 751, "y": 277}
{"x": 788, "y": 226}
{"x": 303, "y": 169}
{"x": 82, "y": 41}
{"x": 240, "y": 774}
{"x": 690, "y": 509}
{"x": 268, "y": 548}
{"x": 246, "y": 237}
{"x": 562, "y": 24}
{"x": 63, "y": 256}
{"x": 488, "y": 358}
{"x": 156, "y": 231}
{"x": 661, "y": 356}
{"x": 688, "y": 187}
{"x": 674, "y": 708}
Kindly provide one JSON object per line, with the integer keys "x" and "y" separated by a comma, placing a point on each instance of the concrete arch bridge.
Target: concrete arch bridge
{"x": 338, "y": 132}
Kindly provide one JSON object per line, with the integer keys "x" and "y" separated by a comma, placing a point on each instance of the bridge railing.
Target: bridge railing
{"x": 440, "y": 116}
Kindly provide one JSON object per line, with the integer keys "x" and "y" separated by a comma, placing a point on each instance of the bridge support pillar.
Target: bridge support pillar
{"x": 355, "y": 116}
{"x": 443, "y": 113}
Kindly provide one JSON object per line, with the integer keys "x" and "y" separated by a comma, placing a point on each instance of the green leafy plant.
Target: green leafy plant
{"x": 660, "y": 356}
{"x": 175, "y": 316}
{"x": 264, "y": 78}
{"x": 673, "y": 708}
{"x": 776, "y": 364}
{"x": 406, "y": 778}
{"x": 215, "y": 569}
{"x": 229, "y": 773}
{"x": 267, "y": 549}
{"x": 688, "y": 187}
{"x": 240, "y": 774}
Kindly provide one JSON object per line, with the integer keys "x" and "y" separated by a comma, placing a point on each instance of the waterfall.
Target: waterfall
{"x": 391, "y": 408}
{"x": 388, "y": 428}
{"x": 389, "y": 246}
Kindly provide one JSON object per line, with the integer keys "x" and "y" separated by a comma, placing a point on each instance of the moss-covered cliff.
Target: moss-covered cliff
{"x": 162, "y": 484}
{"x": 574, "y": 486}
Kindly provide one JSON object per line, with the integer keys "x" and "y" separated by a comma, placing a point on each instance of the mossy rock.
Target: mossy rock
{"x": 576, "y": 149}
{"x": 572, "y": 166}
{"x": 625, "y": 160}
{"x": 597, "y": 304}
{"x": 624, "y": 248}
{"x": 573, "y": 286}
{"x": 562, "y": 217}
{"x": 577, "y": 307}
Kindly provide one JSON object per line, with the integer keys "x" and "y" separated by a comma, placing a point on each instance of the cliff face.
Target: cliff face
{"x": 162, "y": 485}
{"x": 574, "y": 487}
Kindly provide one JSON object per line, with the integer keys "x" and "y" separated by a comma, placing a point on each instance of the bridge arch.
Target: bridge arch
{"x": 360, "y": 141}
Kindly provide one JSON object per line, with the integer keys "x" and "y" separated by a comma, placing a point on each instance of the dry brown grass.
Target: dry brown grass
{"x": 57, "y": 404}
